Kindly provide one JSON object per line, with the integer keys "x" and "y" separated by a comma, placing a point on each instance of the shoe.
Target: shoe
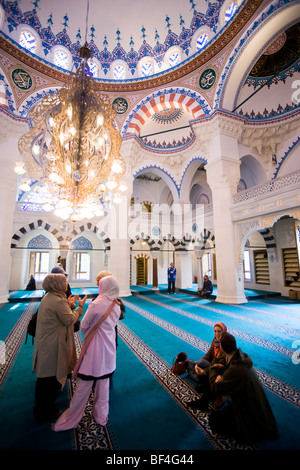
{"x": 198, "y": 404}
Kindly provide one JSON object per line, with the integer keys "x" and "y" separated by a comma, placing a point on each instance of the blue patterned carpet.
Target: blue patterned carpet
{"x": 147, "y": 402}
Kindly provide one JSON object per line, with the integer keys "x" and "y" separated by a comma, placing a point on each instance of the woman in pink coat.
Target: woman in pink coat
{"x": 98, "y": 360}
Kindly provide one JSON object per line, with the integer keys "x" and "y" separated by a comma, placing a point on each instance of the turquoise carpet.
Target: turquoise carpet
{"x": 147, "y": 402}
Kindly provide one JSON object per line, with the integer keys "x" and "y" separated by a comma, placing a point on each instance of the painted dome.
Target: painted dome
{"x": 128, "y": 40}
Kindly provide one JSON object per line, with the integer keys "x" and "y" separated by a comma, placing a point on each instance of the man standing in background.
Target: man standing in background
{"x": 171, "y": 278}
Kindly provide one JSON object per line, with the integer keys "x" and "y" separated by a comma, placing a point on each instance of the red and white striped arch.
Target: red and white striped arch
{"x": 161, "y": 103}
{"x": 3, "y": 97}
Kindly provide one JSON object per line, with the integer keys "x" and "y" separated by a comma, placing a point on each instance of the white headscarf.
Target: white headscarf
{"x": 109, "y": 287}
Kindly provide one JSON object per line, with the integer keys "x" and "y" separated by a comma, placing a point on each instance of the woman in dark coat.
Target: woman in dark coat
{"x": 247, "y": 416}
{"x": 54, "y": 353}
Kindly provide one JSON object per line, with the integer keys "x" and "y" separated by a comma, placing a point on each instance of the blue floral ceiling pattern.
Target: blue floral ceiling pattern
{"x": 209, "y": 17}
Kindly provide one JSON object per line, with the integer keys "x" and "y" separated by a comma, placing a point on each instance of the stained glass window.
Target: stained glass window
{"x": 61, "y": 59}
{"x": 230, "y": 12}
{"x": 174, "y": 59}
{"x": 119, "y": 72}
{"x": 28, "y": 41}
{"x": 202, "y": 41}
{"x": 94, "y": 69}
{"x": 147, "y": 69}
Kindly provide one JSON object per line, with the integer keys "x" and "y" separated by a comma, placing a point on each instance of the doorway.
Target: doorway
{"x": 141, "y": 271}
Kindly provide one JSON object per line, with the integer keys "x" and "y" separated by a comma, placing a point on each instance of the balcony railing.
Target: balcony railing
{"x": 290, "y": 181}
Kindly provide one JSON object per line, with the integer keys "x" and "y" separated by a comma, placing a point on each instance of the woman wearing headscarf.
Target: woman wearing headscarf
{"x": 54, "y": 353}
{"x": 97, "y": 361}
{"x": 197, "y": 370}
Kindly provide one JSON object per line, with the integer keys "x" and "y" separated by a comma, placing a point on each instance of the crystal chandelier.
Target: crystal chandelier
{"x": 74, "y": 148}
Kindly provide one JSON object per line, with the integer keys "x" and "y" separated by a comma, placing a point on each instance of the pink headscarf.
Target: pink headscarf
{"x": 222, "y": 326}
{"x": 109, "y": 287}
{"x": 217, "y": 343}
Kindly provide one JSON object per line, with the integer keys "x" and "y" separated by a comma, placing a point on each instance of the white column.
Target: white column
{"x": 184, "y": 271}
{"x": 119, "y": 256}
{"x": 223, "y": 175}
{"x": 8, "y": 192}
{"x": 11, "y": 129}
{"x": 199, "y": 253}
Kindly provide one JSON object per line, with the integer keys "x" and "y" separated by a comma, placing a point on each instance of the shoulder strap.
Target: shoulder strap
{"x": 90, "y": 336}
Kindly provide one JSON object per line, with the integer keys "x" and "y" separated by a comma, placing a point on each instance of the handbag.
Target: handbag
{"x": 89, "y": 338}
{"x": 31, "y": 327}
{"x": 179, "y": 366}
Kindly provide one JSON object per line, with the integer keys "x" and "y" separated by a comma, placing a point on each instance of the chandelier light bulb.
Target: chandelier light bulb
{"x": 116, "y": 166}
{"x": 68, "y": 167}
{"x": 55, "y": 178}
{"x": 122, "y": 186}
{"x": 36, "y": 150}
{"x": 25, "y": 186}
{"x": 61, "y": 138}
{"x": 100, "y": 119}
{"x": 111, "y": 185}
{"x": 19, "y": 168}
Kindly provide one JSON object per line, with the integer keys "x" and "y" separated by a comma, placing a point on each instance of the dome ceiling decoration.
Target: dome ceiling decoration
{"x": 163, "y": 103}
{"x": 127, "y": 31}
{"x": 282, "y": 53}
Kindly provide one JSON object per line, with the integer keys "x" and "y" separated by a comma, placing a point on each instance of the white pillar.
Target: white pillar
{"x": 199, "y": 253}
{"x": 223, "y": 175}
{"x": 8, "y": 191}
{"x": 184, "y": 269}
{"x": 119, "y": 256}
{"x": 11, "y": 129}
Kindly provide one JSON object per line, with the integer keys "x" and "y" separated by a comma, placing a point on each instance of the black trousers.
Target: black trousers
{"x": 46, "y": 393}
{"x": 171, "y": 286}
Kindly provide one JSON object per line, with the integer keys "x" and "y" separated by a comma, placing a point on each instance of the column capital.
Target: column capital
{"x": 218, "y": 125}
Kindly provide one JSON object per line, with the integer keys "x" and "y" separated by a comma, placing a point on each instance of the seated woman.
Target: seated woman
{"x": 198, "y": 370}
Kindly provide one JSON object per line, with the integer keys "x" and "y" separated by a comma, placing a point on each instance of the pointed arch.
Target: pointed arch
{"x": 183, "y": 98}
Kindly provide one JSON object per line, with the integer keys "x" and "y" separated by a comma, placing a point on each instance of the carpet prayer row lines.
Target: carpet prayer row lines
{"x": 91, "y": 436}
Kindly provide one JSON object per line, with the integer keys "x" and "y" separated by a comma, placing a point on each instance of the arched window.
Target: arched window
{"x": 81, "y": 270}
{"x": 119, "y": 72}
{"x": 61, "y": 59}
{"x": 230, "y": 11}
{"x": 28, "y": 40}
{"x": 39, "y": 256}
{"x": 202, "y": 41}
{"x": 94, "y": 68}
{"x": 174, "y": 59}
{"x": 147, "y": 69}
